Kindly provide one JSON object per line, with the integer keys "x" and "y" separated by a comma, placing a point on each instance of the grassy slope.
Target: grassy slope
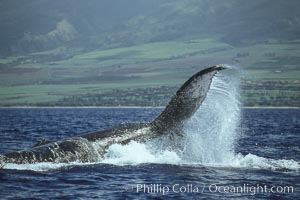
{"x": 32, "y": 82}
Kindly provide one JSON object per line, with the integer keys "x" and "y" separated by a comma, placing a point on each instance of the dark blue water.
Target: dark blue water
{"x": 273, "y": 134}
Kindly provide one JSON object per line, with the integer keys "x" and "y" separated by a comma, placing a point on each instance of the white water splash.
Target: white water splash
{"x": 211, "y": 135}
{"x": 137, "y": 153}
{"x": 43, "y": 166}
{"x": 210, "y": 138}
{"x": 256, "y": 162}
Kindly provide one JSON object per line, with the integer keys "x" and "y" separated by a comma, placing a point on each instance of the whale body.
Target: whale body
{"x": 91, "y": 147}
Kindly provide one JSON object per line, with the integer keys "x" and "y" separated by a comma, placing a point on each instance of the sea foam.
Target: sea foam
{"x": 210, "y": 135}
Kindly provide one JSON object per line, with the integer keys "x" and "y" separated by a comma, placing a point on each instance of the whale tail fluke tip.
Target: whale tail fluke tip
{"x": 216, "y": 67}
{"x": 187, "y": 99}
{"x": 220, "y": 67}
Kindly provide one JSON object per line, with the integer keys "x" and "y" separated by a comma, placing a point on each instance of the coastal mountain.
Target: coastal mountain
{"x": 137, "y": 52}
{"x": 39, "y": 25}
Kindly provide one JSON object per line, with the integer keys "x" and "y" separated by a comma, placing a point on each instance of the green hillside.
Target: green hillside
{"x": 140, "y": 75}
{"x": 68, "y": 53}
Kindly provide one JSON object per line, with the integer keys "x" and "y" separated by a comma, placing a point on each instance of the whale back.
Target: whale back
{"x": 186, "y": 101}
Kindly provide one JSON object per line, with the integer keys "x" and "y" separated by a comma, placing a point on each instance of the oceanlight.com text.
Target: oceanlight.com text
{"x": 164, "y": 189}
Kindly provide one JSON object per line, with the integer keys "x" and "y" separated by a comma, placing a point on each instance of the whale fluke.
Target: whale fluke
{"x": 91, "y": 147}
{"x": 186, "y": 101}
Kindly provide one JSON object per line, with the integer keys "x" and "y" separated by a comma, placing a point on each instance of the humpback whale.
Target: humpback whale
{"x": 91, "y": 147}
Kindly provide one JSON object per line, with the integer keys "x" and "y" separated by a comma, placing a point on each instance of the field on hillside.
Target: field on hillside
{"x": 148, "y": 74}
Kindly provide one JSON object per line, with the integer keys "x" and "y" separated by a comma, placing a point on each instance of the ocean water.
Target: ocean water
{"x": 226, "y": 152}
{"x": 266, "y": 154}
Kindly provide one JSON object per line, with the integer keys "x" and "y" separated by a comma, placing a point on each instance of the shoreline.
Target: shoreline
{"x": 133, "y": 107}
{"x": 66, "y": 107}
{"x": 270, "y": 107}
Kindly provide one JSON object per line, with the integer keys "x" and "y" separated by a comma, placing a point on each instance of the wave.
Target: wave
{"x": 127, "y": 155}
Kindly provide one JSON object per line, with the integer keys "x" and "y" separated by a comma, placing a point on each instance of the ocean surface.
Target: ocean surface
{"x": 224, "y": 152}
{"x": 264, "y": 153}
